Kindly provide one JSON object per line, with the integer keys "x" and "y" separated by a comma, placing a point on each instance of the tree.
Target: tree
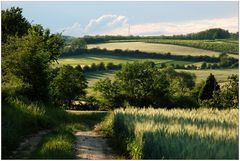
{"x": 229, "y": 94}
{"x": 29, "y": 59}
{"x": 180, "y": 82}
{"x": 210, "y": 86}
{"x": 204, "y": 65}
{"x": 110, "y": 66}
{"x": 13, "y": 23}
{"x": 78, "y": 43}
{"x": 67, "y": 85}
{"x": 111, "y": 92}
{"x": 93, "y": 67}
{"x": 101, "y": 66}
{"x": 79, "y": 68}
{"x": 144, "y": 85}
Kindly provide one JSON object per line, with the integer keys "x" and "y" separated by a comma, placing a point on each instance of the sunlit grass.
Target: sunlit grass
{"x": 220, "y": 74}
{"x": 151, "y": 47}
{"x": 88, "y": 59}
{"x": 178, "y": 134}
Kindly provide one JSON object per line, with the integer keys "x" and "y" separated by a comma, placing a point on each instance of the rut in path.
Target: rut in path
{"x": 28, "y": 145}
{"x": 90, "y": 145}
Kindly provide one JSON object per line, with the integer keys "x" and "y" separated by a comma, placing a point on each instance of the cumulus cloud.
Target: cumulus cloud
{"x": 97, "y": 26}
{"x": 118, "y": 25}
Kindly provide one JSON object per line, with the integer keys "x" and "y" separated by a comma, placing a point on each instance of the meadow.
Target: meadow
{"x": 88, "y": 59}
{"x": 155, "y": 47}
{"x": 227, "y": 46}
{"x": 221, "y": 75}
{"x": 175, "y": 134}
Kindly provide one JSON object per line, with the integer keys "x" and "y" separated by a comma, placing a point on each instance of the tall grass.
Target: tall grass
{"x": 18, "y": 120}
{"x": 59, "y": 144}
{"x": 178, "y": 134}
{"x": 21, "y": 117}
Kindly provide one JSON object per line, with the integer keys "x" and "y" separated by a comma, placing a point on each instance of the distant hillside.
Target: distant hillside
{"x": 210, "y": 34}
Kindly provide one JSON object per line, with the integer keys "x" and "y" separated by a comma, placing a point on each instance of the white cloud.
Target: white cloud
{"x": 118, "y": 25}
{"x": 171, "y": 28}
{"x": 97, "y": 26}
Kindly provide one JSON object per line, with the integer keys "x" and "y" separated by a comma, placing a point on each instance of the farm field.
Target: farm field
{"x": 88, "y": 59}
{"x": 220, "y": 75}
{"x": 178, "y": 133}
{"x": 228, "y": 46}
{"x": 93, "y": 77}
{"x": 108, "y": 82}
{"x": 155, "y": 47}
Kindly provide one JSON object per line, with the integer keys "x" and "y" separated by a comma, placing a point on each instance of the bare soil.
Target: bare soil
{"x": 28, "y": 145}
{"x": 91, "y": 145}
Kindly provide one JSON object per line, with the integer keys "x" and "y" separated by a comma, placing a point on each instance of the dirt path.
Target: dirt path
{"x": 92, "y": 146}
{"x": 28, "y": 145}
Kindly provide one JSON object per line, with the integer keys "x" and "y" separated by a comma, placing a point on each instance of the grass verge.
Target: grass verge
{"x": 59, "y": 144}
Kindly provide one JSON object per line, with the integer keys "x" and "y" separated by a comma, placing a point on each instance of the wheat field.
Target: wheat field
{"x": 178, "y": 133}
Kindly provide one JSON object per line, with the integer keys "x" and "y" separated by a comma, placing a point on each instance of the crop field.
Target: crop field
{"x": 220, "y": 74}
{"x": 228, "y": 46}
{"x": 178, "y": 133}
{"x": 88, "y": 59}
{"x": 155, "y": 47}
{"x": 93, "y": 77}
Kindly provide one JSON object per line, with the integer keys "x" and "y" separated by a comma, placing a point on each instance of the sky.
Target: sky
{"x": 124, "y": 18}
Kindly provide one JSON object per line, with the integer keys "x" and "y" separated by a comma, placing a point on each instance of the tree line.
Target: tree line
{"x": 141, "y": 54}
{"x": 144, "y": 85}
{"x": 28, "y": 56}
{"x": 210, "y": 34}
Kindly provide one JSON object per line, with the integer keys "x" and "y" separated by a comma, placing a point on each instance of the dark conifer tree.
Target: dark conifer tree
{"x": 210, "y": 86}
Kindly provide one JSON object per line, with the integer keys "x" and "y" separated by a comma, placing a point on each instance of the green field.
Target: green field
{"x": 177, "y": 133}
{"x": 88, "y": 59}
{"x": 220, "y": 75}
{"x": 154, "y": 47}
{"x": 93, "y": 77}
{"x": 227, "y": 46}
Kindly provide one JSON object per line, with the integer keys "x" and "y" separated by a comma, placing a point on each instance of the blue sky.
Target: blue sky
{"x": 144, "y": 18}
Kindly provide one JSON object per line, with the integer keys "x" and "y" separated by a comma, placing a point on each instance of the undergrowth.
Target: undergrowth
{"x": 21, "y": 118}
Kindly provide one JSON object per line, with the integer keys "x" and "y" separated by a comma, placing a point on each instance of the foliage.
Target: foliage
{"x": 209, "y": 87}
{"x": 181, "y": 82}
{"x": 22, "y": 117}
{"x": 210, "y": 34}
{"x": 58, "y": 144}
{"x": 28, "y": 58}
{"x": 111, "y": 91}
{"x": 143, "y": 55}
{"x": 67, "y": 85}
{"x": 214, "y": 33}
{"x": 143, "y": 84}
{"x": 13, "y": 23}
{"x": 227, "y": 97}
{"x": 78, "y": 44}
{"x": 178, "y": 134}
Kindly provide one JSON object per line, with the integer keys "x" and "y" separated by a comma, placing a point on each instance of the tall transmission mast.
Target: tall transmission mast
{"x": 128, "y": 29}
